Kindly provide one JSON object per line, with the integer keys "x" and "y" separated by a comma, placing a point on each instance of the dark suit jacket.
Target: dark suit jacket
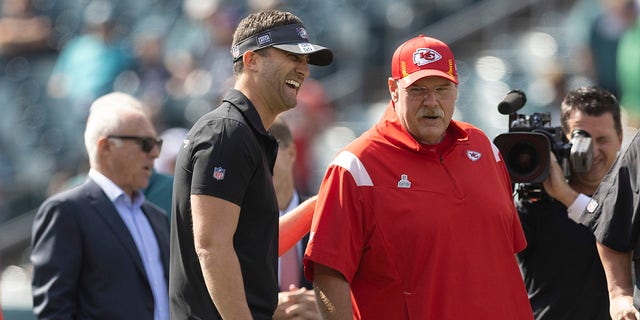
{"x": 85, "y": 261}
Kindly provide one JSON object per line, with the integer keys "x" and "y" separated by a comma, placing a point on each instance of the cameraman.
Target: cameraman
{"x": 561, "y": 267}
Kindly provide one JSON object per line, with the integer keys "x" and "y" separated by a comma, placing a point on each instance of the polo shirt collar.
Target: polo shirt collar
{"x": 248, "y": 110}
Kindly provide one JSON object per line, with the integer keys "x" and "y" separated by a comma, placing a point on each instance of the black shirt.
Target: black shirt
{"x": 561, "y": 267}
{"x": 613, "y": 212}
{"x": 229, "y": 155}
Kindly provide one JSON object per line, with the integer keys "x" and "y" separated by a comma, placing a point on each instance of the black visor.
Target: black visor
{"x": 291, "y": 38}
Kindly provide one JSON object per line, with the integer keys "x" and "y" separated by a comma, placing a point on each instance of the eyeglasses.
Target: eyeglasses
{"x": 420, "y": 93}
{"x": 415, "y": 92}
{"x": 146, "y": 143}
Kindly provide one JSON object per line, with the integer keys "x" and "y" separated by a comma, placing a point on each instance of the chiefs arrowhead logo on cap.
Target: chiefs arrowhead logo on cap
{"x": 424, "y": 56}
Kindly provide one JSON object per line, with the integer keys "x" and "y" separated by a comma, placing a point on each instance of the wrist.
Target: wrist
{"x": 578, "y": 206}
{"x": 568, "y": 197}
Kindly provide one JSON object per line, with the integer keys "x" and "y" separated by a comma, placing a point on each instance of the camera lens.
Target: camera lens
{"x": 526, "y": 155}
{"x": 523, "y": 158}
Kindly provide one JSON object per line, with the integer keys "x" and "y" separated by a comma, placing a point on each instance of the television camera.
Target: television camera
{"x": 525, "y": 148}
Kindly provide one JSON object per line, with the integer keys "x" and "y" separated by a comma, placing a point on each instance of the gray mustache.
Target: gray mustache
{"x": 430, "y": 113}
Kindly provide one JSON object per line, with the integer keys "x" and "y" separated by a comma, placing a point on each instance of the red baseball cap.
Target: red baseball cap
{"x": 423, "y": 57}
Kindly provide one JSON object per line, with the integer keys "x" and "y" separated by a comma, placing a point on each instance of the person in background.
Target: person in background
{"x": 225, "y": 232}
{"x": 627, "y": 68}
{"x": 100, "y": 250}
{"x": 415, "y": 219}
{"x": 561, "y": 267}
{"x": 159, "y": 191}
{"x": 173, "y": 139}
{"x": 614, "y": 18}
{"x": 307, "y": 121}
{"x": 295, "y": 300}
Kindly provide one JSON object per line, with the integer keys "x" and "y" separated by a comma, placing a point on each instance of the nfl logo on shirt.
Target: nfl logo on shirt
{"x": 218, "y": 173}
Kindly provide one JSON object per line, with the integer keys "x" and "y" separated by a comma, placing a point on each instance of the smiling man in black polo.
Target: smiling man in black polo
{"x": 225, "y": 227}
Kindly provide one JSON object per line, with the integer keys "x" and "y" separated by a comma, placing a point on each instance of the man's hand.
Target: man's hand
{"x": 297, "y": 303}
{"x": 621, "y": 308}
{"x": 617, "y": 268}
{"x": 556, "y": 186}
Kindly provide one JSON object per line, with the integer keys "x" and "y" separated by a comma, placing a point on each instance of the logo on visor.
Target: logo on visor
{"x": 424, "y": 56}
{"x": 302, "y": 33}
{"x": 305, "y": 47}
{"x": 264, "y": 39}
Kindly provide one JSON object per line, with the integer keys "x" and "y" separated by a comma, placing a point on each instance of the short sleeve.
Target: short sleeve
{"x": 337, "y": 231}
{"x": 225, "y": 157}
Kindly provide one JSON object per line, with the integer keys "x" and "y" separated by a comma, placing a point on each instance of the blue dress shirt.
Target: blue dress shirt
{"x": 131, "y": 213}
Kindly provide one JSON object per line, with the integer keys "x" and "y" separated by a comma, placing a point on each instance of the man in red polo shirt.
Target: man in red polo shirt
{"x": 415, "y": 218}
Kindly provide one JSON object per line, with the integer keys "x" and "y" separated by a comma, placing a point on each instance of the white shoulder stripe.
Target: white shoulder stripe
{"x": 496, "y": 151}
{"x": 351, "y": 163}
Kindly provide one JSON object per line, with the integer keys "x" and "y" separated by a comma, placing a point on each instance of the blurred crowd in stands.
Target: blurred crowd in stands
{"x": 59, "y": 55}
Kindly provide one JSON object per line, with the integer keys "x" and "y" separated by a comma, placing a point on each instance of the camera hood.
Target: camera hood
{"x": 526, "y": 155}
